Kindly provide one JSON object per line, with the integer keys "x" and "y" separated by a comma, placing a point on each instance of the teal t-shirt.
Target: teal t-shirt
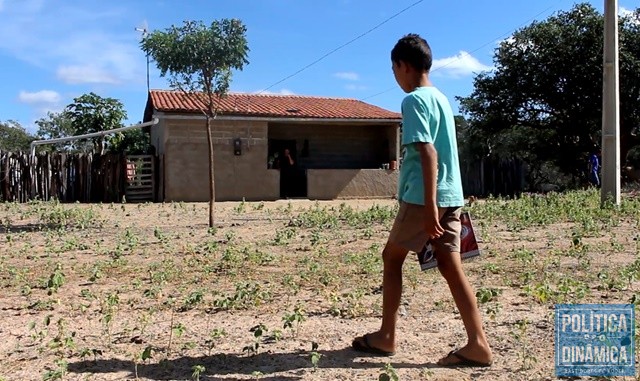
{"x": 427, "y": 117}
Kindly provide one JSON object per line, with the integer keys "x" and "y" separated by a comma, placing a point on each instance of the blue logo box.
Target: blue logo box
{"x": 595, "y": 340}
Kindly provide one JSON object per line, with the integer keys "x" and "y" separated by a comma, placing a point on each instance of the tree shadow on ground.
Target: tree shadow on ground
{"x": 222, "y": 364}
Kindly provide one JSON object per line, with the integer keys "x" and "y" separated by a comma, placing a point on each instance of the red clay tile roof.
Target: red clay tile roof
{"x": 279, "y": 106}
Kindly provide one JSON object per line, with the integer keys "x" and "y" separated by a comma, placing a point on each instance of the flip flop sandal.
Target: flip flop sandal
{"x": 361, "y": 344}
{"x": 464, "y": 362}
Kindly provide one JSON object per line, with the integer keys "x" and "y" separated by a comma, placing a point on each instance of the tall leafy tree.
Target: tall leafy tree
{"x": 132, "y": 142}
{"x": 198, "y": 59}
{"x": 543, "y": 101}
{"x": 93, "y": 113}
{"x": 56, "y": 125}
{"x": 14, "y": 137}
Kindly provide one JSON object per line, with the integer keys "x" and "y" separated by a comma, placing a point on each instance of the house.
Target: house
{"x": 340, "y": 147}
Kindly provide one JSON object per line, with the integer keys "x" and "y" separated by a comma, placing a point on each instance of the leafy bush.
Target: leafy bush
{"x": 633, "y": 157}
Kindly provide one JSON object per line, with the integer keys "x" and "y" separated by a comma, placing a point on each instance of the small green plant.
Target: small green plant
{"x": 62, "y": 340}
{"x": 193, "y": 299}
{"x": 144, "y": 356}
{"x": 248, "y": 294}
{"x": 315, "y": 356}
{"x": 84, "y": 352}
{"x": 293, "y": 320}
{"x": 56, "y": 373}
{"x": 214, "y": 336}
{"x": 520, "y": 335}
{"x": 230, "y": 236}
{"x": 492, "y": 268}
{"x": 108, "y": 310}
{"x": 258, "y": 332}
{"x": 388, "y": 373}
{"x": 485, "y": 295}
{"x": 197, "y": 372}
{"x": 160, "y": 235}
{"x": 241, "y": 207}
{"x": 541, "y": 292}
{"x": 348, "y": 305}
{"x": 56, "y": 280}
{"x": 493, "y": 310}
{"x": 179, "y": 330}
{"x": 284, "y": 236}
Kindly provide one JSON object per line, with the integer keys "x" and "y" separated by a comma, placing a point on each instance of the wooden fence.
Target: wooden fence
{"x": 492, "y": 176}
{"x": 65, "y": 177}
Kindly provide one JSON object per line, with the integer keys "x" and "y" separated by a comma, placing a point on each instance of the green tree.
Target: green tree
{"x": 132, "y": 142}
{"x": 57, "y": 125}
{"x": 543, "y": 101}
{"x": 91, "y": 113}
{"x": 199, "y": 59}
{"x": 14, "y": 137}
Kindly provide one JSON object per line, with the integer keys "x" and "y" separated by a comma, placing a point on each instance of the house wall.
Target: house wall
{"x": 158, "y": 135}
{"x": 186, "y": 166}
{"x": 328, "y": 184}
{"x": 340, "y": 146}
{"x": 181, "y": 144}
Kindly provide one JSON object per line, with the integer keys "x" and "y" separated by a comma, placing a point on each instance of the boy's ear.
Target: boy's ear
{"x": 403, "y": 66}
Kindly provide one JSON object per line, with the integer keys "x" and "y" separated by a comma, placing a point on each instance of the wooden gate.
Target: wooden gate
{"x": 140, "y": 185}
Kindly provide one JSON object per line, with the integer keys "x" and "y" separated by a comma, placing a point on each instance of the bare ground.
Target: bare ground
{"x": 142, "y": 290}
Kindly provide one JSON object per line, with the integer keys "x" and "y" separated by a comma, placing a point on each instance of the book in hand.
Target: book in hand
{"x": 468, "y": 245}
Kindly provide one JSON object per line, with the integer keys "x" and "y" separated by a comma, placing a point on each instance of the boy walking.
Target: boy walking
{"x": 431, "y": 199}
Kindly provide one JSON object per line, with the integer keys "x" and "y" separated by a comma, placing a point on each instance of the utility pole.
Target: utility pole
{"x": 145, "y": 32}
{"x": 610, "y": 107}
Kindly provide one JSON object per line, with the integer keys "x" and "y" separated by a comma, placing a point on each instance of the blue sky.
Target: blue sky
{"x": 54, "y": 50}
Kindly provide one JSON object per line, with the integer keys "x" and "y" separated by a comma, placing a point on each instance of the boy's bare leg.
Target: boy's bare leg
{"x": 393, "y": 257}
{"x": 477, "y": 348}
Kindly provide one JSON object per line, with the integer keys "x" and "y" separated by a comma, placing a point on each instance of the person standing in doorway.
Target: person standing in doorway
{"x": 287, "y": 160}
{"x": 286, "y": 165}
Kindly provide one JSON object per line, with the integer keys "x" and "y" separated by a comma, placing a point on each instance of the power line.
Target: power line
{"x": 342, "y": 46}
{"x": 473, "y": 51}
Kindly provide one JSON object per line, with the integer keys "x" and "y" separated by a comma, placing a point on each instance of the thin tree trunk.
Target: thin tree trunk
{"x": 212, "y": 185}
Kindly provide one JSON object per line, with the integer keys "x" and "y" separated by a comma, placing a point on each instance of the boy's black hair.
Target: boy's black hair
{"x": 413, "y": 50}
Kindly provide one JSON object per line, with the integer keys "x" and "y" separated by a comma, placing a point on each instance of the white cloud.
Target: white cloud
{"x": 39, "y": 97}
{"x": 77, "y": 74}
{"x": 461, "y": 65}
{"x": 347, "y": 75}
{"x": 84, "y": 44}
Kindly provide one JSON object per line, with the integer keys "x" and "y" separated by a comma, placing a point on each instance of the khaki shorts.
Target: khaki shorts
{"x": 408, "y": 229}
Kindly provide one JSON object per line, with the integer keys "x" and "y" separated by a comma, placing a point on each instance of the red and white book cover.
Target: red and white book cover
{"x": 468, "y": 245}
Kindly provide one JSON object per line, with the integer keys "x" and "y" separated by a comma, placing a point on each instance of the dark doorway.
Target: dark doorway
{"x": 283, "y": 155}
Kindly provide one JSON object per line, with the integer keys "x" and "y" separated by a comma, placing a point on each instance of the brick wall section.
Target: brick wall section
{"x": 186, "y": 161}
{"x": 329, "y": 184}
{"x": 340, "y": 146}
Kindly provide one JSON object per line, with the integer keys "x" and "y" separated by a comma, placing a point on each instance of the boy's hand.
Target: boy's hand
{"x": 432, "y": 224}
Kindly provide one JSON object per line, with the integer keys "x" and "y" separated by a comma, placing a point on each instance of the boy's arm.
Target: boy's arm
{"x": 429, "y": 160}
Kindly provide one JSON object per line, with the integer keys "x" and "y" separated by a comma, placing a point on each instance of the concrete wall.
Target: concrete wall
{"x": 341, "y": 146}
{"x": 186, "y": 154}
{"x": 328, "y": 184}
